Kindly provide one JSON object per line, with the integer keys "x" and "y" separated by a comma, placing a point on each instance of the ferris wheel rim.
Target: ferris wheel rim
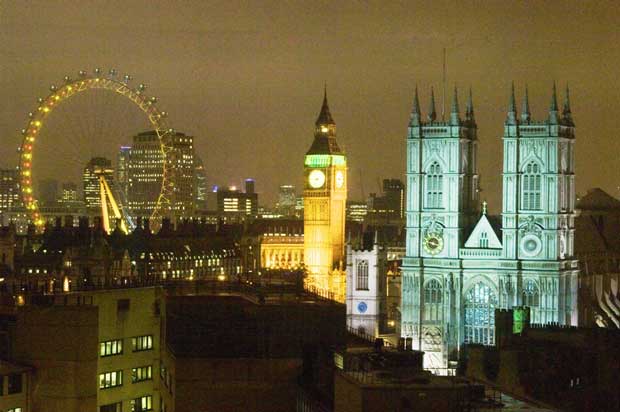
{"x": 71, "y": 88}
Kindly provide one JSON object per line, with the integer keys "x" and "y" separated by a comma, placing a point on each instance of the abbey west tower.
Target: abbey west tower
{"x": 325, "y": 196}
{"x": 457, "y": 270}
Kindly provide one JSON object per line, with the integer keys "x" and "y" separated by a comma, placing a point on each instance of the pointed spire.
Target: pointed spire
{"x": 484, "y": 207}
{"x": 376, "y": 240}
{"x": 454, "y": 113}
{"x": 469, "y": 110}
{"x": 553, "y": 109}
{"x": 415, "y": 112}
{"x": 325, "y": 117}
{"x": 566, "y": 113}
{"x": 432, "y": 114}
{"x": 525, "y": 111}
{"x": 512, "y": 107}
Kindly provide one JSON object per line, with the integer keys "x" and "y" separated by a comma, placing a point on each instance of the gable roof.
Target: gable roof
{"x": 483, "y": 226}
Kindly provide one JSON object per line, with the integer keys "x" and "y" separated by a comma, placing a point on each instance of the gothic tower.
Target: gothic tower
{"x": 325, "y": 195}
{"x": 442, "y": 201}
{"x": 539, "y": 208}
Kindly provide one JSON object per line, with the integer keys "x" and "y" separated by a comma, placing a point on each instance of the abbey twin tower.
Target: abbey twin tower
{"x": 459, "y": 266}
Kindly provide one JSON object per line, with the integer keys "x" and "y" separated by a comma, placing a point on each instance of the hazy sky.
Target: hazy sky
{"x": 246, "y": 79}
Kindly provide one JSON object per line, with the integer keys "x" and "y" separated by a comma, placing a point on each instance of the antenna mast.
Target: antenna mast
{"x": 443, "y": 97}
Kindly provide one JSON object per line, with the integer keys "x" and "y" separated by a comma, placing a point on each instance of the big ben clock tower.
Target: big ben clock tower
{"x": 325, "y": 196}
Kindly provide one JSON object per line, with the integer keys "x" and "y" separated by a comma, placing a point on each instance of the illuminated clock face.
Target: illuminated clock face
{"x": 339, "y": 179}
{"x": 433, "y": 243}
{"x": 316, "y": 179}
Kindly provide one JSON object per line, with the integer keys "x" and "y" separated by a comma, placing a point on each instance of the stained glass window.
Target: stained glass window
{"x": 480, "y": 303}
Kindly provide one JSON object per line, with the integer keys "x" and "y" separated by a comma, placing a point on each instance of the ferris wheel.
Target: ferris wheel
{"x": 105, "y": 107}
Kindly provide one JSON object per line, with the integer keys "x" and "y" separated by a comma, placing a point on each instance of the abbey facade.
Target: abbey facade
{"x": 459, "y": 265}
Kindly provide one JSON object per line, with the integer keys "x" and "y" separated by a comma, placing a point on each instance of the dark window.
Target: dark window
{"x": 15, "y": 383}
{"x": 112, "y": 407}
{"x": 122, "y": 305}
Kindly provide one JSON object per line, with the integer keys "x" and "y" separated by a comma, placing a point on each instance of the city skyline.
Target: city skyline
{"x": 221, "y": 87}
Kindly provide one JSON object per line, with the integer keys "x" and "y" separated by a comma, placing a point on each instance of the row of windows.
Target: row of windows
{"x": 531, "y": 187}
{"x": 115, "y": 346}
{"x": 113, "y": 379}
{"x": 141, "y": 404}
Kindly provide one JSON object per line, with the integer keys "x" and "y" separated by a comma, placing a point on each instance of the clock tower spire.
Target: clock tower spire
{"x": 325, "y": 195}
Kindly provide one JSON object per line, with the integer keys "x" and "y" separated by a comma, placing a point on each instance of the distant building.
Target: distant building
{"x": 10, "y": 195}
{"x": 233, "y": 201}
{"x": 48, "y": 192}
{"x": 146, "y": 171}
{"x": 200, "y": 185}
{"x": 357, "y": 211}
{"x": 69, "y": 193}
{"x": 286, "y": 200}
{"x": 390, "y": 207}
{"x": 97, "y": 166}
{"x": 122, "y": 172}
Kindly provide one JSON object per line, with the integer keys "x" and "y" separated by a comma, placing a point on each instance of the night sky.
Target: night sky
{"x": 246, "y": 79}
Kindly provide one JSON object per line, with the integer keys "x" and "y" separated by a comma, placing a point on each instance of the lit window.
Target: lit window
{"x": 432, "y": 300}
{"x": 111, "y": 347}
{"x": 110, "y": 379}
{"x": 480, "y": 303}
{"x": 143, "y": 373}
{"x": 140, "y": 343}
{"x": 143, "y": 403}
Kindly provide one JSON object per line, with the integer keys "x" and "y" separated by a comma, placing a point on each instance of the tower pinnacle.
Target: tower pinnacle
{"x": 566, "y": 113}
{"x": 525, "y": 111}
{"x": 325, "y": 117}
{"x": 512, "y": 107}
{"x": 415, "y": 112}
{"x": 454, "y": 113}
{"x": 469, "y": 110}
{"x": 553, "y": 109}
{"x": 432, "y": 114}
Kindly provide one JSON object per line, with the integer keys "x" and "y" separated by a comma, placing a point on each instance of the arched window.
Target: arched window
{"x": 362, "y": 275}
{"x": 531, "y": 187}
{"x": 531, "y": 299}
{"x": 433, "y": 297}
{"x": 434, "y": 187}
{"x": 480, "y": 304}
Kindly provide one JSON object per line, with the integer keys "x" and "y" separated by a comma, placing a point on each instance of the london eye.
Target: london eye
{"x": 92, "y": 117}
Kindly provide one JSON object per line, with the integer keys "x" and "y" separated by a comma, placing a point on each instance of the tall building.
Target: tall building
{"x": 10, "y": 195}
{"x": 457, "y": 271}
{"x": 388, "y": 208}
{"x": 325, "y": 196}
{"x": 122, "y": 172}
{"x": 200, "y": 184}
{"x": 90, "y": 178}
{"x": 286, "y": 200}
{"x": 146, "y": 171}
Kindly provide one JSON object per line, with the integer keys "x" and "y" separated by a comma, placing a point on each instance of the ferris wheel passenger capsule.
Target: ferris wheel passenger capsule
{"x": 30, "y": 114}
{"x": 40, "y": 100}
{"x": 67, "y": 79}
{"x": 127, "y": 78}
{"x": 53, "y": 88}
{"x": 112, "y": 72}
{"x": 141, "y": 87}
{"x": 97, "y": 71}
{"x": 23, "y": 131}
{"x": 164, "y": 114}
{"x": 153, "y": 99}
{"x": 82, "y": 73}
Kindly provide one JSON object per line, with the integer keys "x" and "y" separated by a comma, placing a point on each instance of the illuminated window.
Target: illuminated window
{"x": 434, "y": 187}
{"x": 140, "y": 343}
{"x": 143, "y": 373}
{"x": 143, "y": 403}
{"x": 111, "y": 347}
{"x": 362, "y": 275}
{"x": 14, "y": 410}
{"x": 531, "y": 187}
{"x": 432, "y": 300}
{"x": 110, "y": 379}
{"x": 480, "y": 303}
{"x": 531, "y": 299}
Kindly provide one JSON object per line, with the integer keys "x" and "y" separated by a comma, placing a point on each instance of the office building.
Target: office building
{"x": 200, "y": 185}
{"x": 96, "y": 167}
{"x": 286, "y": 200}
{"x": 232, "y": 201}
{"x": 10, "y": 195}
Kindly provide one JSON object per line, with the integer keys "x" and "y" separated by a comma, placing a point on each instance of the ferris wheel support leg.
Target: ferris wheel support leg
{"x": 104, "y": 205}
